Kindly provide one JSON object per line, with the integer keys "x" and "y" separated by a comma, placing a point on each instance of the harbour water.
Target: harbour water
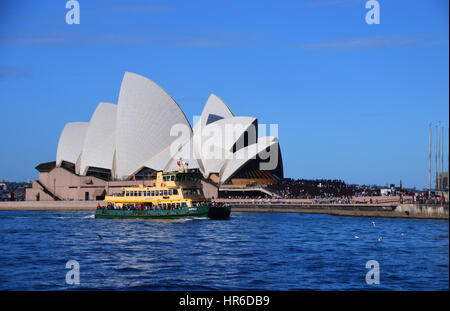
{"x": 251, "y": 251}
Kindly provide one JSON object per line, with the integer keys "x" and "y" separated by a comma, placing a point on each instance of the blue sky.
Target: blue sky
{"x": 352, "y": 101}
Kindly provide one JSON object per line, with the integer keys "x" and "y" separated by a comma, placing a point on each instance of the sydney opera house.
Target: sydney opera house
{"x": 126, "y": 143}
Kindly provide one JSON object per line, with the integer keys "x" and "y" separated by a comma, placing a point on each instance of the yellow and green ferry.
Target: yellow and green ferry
{"x": 175, "y": 194}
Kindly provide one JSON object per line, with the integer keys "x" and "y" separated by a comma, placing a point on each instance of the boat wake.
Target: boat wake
{"x": 74, "y": 216}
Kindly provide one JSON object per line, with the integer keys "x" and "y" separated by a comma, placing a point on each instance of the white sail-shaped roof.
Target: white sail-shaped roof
{"x": 143, "y": 129}
{"x": 214, "y": 110}
{"x": 71, "y": 142}
{"x": 214, "y": 143}
{"x": 99, "y": 144}
{"x": 244, "y": 155}
{"x": 145, "y": 115}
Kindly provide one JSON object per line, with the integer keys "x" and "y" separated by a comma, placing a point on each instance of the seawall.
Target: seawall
{"x": 50, "y": 205}
{"x": 357, "y": 210}
{"x": 400, "y": 211}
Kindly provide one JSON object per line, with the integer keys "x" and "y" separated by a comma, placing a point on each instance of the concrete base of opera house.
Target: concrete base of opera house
{"x": 60, "y": 184}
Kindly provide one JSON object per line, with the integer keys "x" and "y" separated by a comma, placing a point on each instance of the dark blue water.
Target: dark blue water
{"x": 251, "y": 251}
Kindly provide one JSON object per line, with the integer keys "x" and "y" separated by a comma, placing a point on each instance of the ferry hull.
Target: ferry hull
{"x": 219, "y": 212}
{"x": 197, "y": 211}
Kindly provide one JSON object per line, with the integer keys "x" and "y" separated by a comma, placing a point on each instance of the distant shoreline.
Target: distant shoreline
{"x": 356, "y": 210}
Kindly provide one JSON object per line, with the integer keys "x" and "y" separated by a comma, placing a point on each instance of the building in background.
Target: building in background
{"x": 127, "y": 143}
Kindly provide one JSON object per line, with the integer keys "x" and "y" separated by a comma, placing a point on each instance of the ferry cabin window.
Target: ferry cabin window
{"x": 153, "y": 193}
{"x": 170, "y": 191}
{"x": 127, "y": 193}
{"x": 175, "y": 191}
{"x": 177, "y": 205}
{"x": 135, "y": 193}
{"x": 140, "y": 193}
{"x": 160, "y": 192}
{"x": 172, "y": 178}
{"x": 165, "y": 192}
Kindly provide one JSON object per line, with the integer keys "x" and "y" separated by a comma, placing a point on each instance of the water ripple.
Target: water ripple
{"x": 251, "y": 251}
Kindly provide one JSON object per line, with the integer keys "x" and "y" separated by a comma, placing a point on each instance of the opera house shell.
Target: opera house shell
{"x": 141, "y": 134}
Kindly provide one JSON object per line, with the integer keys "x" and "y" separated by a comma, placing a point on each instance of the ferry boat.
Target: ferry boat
{"x": 177, "y": 194}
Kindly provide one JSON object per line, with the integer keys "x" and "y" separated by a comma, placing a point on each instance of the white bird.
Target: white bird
{"x": 403, "y": 234}
{"x": 356, "y": 237}
{"x": 374, "y": 224}
{"x": 380, "y": 239}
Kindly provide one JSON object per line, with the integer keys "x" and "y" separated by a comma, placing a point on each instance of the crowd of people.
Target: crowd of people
{"x": 328, "y": 191}
{"x": 319, "y": 188}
